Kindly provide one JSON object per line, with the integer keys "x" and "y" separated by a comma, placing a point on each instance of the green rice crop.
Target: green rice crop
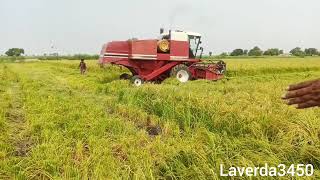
{"x": 58, "y": 124}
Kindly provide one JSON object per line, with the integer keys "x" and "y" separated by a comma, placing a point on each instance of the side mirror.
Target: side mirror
{"x": 201, "y": 48}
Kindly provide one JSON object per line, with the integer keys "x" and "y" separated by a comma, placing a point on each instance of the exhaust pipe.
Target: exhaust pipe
{"x": 161, "y": 30}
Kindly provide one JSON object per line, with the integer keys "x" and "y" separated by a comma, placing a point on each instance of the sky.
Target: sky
{"x": 83, "y": 26}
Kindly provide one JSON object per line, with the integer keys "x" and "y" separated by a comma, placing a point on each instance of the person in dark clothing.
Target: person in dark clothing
{"x": 304, "y": 95}
{"x": 82, "y": 66}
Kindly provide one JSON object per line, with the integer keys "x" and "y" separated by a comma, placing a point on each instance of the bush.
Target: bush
{"x": 11, "y": 58}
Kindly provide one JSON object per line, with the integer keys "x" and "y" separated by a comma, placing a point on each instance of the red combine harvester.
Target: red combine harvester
{"x": 173, "y": 54}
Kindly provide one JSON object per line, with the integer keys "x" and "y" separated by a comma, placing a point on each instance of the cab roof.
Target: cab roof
{"x": 189, "y": 33}
{"x": 193, "y": 33}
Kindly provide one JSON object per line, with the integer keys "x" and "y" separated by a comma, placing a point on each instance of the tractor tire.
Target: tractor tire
{"x": 125, "y": 76}
{"x": 181, "y": 72}
{"x": 136, "y": 80}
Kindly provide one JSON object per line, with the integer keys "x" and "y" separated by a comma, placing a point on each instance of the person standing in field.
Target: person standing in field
{"x": 82, "y": 66}
{"x": 304, "y": 94}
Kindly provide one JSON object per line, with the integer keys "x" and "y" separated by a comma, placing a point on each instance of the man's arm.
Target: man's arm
{"x": 304, "y": 95}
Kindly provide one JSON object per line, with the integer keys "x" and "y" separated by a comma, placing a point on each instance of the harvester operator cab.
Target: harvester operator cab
{"x": 193, "y": 39}
{"x": 194, "y": 44}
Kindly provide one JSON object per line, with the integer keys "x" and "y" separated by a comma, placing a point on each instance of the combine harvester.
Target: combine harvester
{"x": 173, "y": 54}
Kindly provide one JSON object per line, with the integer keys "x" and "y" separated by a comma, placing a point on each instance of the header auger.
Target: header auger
{"x": 172, "y": 54}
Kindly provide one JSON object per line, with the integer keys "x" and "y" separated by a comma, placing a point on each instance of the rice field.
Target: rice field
{"x": 58, "y": 124}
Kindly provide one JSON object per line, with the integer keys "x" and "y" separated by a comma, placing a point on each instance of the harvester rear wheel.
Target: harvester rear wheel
{"x": 181, "y": 72}
{"x": 137, "y": 80}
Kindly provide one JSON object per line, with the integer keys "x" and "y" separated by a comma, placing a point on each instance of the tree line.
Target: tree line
{"x": 256, "y": 51}
{"x": 14, "y": 53}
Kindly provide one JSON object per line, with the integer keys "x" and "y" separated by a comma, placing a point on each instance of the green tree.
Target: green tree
{"x": 297, "y": 52}
{"x": 256, "y": 51}
{"x": 237, "y": 52}
{"x": 311, "y": 51}
{"x": 245, "y": 52}
{"x": 15, "y": 52}
{"x": 272, "y": 52}
{"x": 281, "y": 52}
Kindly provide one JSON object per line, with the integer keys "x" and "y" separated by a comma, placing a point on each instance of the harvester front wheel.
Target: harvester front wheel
{"x": 181, "y": 72}
{"x": 137, "y": 80}
{"x": 125, "y": 76}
